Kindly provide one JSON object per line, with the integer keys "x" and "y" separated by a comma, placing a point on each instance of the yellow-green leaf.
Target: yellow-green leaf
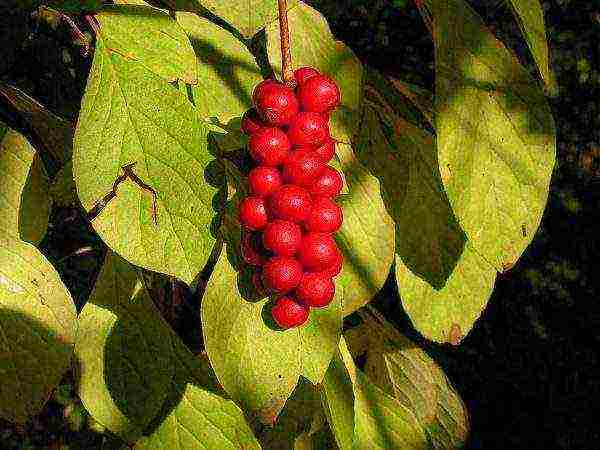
{"x": 124, "y": 352}
{"x": 150, "y": 37}
{"x": 496, "y": 136}
{"x": 313, "y": 44}
{"x": 131, "y": 116}
{"x": 366, "y": 237}
{"x": 37, "y": 329}
{"x": 24, "y": 199}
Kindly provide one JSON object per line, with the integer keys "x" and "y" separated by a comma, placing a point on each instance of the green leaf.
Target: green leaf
{"x": 124, "y": 352}
{"x": 381, "y": 421}
{"x": 227, "y": 74}
{"x": 24, "y": 199}
{"x": 313, "y": 44}
{"x": 530, "y": 16}
{"x": 366, "y": 237}
{"x": 196, "y": 415}
{"x": 406, "y": 372}
{"x": 496, "y": 136}
{"x": 443, "y": 284}
{"x": 447, "y": 314}
{"x": 37, "y": 329}
{"x": 131, "y": 116}
{"x": 240, "y": 344}
{"x": 150, "y": 37}
{"x": 337, "y": 397}
{"x": 248, "y": 17}
{"x": 257, "y": 365}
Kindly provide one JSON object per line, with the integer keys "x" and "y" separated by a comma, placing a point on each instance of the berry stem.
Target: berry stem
{"x": 287, "y": 71}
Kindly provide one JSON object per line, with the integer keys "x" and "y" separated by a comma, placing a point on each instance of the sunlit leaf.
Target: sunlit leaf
{"x": 131, "y": 116}
{"x": 24, "y": 200}
{"x": 443, "y": 284}
{"x": 380, "y": 420}
{"x": 313, "y": 44}
{"x": 37, "y": 329}
{"x": 247, "y": 17}
{"x": 195, "y": 414}
{"x": 227, "y": 73}
{"x": 150, "y": 37}
{"x": 404, "y": 370}
{"x": 496, "y": 136}
{"x": 366, "y": 237}
{"x": 124, "y": 352}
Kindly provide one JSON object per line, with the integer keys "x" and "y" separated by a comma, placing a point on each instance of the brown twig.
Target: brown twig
{"x": 128, "y": 173}
{"x": 77, "y": 35}
{"x": 287, "y": 72}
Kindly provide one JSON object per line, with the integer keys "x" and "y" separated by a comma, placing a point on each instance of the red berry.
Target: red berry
{"x": 302, "y": 167}
{"x": 319, "y": 94}
{"x": 315, "y": 290}
{"x": 304, "y": 73}
{"x": 253, "y": 213}
{"x": 263, "y": 181}
{"x": 251, "y": 122}
{"x": 325, "y": 216}
{"x": 317, "y": 252}
{"x": 282, "y": 237}
{"x": 290, "y": 202}
{"x": 252, "y": 249}
{"x": 326, "y": 151}
{"x": 328, "y": 184}
{"x": 275, "y": 102}
{"x": 282, "y": 274}
{"x": 335, "y": 269}
{"x": 269, "y": 146}
{"x": 288, "y": 313}
{"x": 308, "y": 129}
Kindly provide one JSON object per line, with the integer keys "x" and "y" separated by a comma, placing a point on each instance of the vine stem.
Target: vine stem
{"x": 287, "y": 72}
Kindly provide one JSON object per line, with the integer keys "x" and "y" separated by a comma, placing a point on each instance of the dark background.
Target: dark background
{"x": 528, "y": 371}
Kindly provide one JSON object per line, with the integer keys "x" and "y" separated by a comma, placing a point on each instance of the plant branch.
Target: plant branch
{"x": 287, "y": 72}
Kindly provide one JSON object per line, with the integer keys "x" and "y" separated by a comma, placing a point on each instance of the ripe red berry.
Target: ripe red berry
{"x": 325, "y": 216}
{"x": 302, "y": 167}
{"x": 290, "y": 202}
{"x": 328, "y": 184}
{"x": 269, "y": 146}
{"x": 308, "y": 129}
{"x": 317, "y": 252}
{"x": 304, "y": 73}
{"x": 336, "y": 268}
{"x": 288, "y": 313}
{"x": 252, "y": 249}
{"x": 282, "y": 274}
{"x": 275, "y": 102}
{"x": 253, "y": 213}
{"x": 319, "y": 94}
{"x": 315, "y": 289}
{"x": 282, "y": 237}
{"x": 251, "y": 122}
{"x": 326, "y": 151}
{"x": 263, "y": 180}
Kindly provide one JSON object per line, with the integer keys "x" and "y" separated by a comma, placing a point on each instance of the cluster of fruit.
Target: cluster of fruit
{"x": 290, "y": 215}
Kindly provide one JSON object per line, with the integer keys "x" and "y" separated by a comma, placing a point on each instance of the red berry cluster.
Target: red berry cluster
{"x": 290, "y": 215}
